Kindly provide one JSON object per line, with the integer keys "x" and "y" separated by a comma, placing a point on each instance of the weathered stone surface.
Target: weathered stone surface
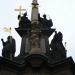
{"x": 36, "y": 64}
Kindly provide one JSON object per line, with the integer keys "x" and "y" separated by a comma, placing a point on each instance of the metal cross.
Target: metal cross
{"x": 20, "y": 9}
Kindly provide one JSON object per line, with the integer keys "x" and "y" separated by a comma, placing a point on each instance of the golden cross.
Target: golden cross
{"x": 20, "y": 9}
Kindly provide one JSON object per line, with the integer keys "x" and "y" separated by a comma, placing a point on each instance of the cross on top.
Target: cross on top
{"x": 20, "y": 9}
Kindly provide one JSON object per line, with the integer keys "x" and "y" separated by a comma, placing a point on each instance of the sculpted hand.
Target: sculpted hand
{"x": 1, "y": 39}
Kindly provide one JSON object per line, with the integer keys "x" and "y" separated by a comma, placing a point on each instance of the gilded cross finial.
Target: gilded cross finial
{"x": 20, "y": 10}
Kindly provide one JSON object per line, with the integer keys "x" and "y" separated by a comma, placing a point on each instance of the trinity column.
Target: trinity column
{"x": 35, "y": 33}
{"x": 39, "y": 34}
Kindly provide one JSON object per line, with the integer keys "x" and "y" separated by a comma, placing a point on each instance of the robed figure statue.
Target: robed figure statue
{"x": 9, "y": 47}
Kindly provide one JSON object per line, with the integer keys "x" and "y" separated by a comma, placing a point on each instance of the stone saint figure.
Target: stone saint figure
{"x": 9, "y": 47}
{"x": 35, "y": 41}
{"x": 57, "y": 45}
{"x": 24, "y": 22}
{"x": 45, "y": 23}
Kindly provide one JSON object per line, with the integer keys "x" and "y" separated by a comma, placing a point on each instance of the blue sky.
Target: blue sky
{"x": 62, "y": 13}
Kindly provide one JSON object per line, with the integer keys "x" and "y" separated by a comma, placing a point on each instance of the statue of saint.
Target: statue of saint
{"x": 35, "y": 41}
{"x": 45, "y": 23}
{"x": 24, "y": 22}
{"x": 9, "y": 47}
{"x": 57, "y": 45}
